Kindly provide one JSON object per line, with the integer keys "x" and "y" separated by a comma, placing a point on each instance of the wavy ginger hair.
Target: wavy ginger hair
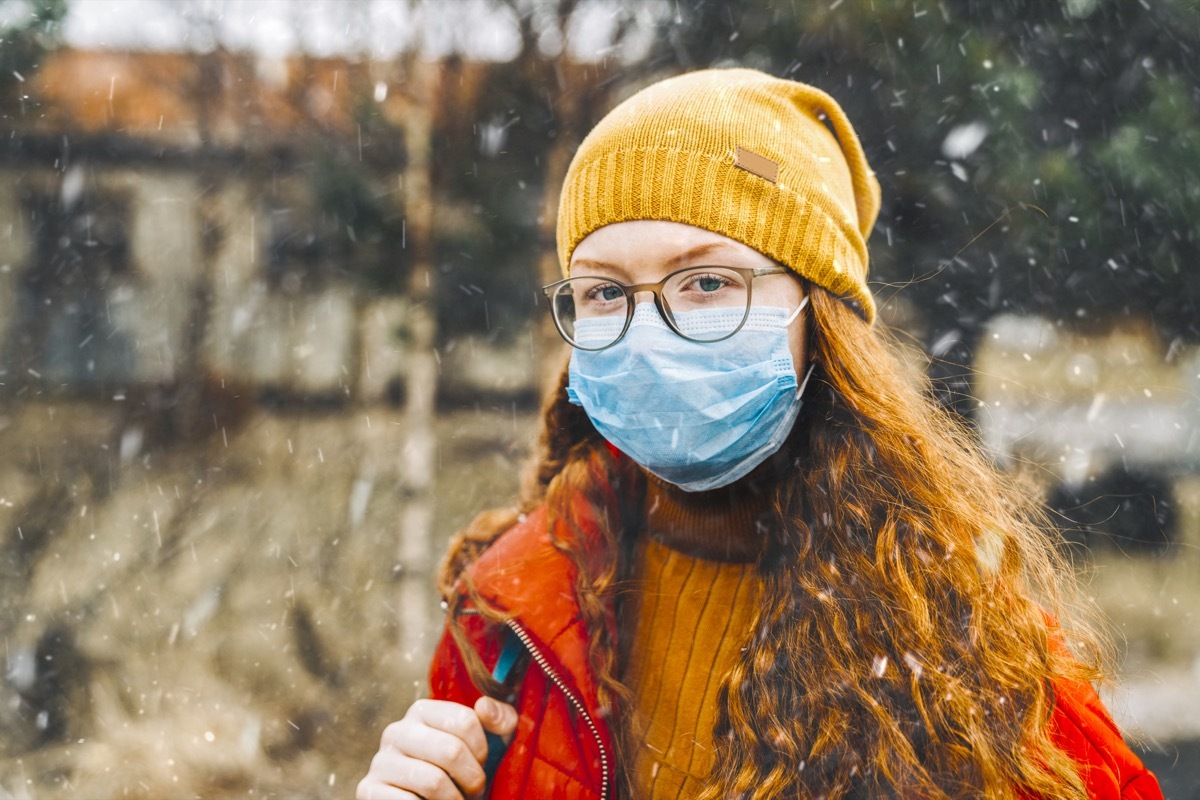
{"x": 915, "y": 608}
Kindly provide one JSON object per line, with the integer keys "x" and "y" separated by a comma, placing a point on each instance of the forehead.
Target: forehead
{"x": 659, "y": 242}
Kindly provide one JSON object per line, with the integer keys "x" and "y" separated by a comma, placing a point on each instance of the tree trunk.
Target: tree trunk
{"x": 419, "y": 453}
{"x": 193, "y": 418}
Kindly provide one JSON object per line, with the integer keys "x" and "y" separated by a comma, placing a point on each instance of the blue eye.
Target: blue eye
{"x": 610, "y": 293}
{"x": 709, "y": 283}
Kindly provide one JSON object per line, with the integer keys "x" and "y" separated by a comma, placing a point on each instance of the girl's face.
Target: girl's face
{"x": 645, "y": 251}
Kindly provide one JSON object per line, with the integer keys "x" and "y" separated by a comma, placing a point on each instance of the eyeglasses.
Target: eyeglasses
{"x": 593, "y": 313}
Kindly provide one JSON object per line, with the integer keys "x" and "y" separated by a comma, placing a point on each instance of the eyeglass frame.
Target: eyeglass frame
{"x": 664, "y": 310}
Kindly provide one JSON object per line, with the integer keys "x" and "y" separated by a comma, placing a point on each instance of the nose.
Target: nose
{"x": 653, "y": 299}
{"x": 643, "y": 296}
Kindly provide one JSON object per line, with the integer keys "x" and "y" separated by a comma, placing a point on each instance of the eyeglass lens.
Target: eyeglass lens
{"x": 704, "y": 303}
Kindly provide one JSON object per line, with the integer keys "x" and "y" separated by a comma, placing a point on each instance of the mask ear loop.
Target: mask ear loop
{"x": 812, "y": 365}
{"x": 792, "y": 317}
{"x": 808, "y": 374}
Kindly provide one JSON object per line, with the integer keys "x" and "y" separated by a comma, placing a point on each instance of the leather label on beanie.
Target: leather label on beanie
{"x": 761, "y": 166}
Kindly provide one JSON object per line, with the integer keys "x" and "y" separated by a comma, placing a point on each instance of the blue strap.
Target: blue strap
{"x": 510, "y": 653}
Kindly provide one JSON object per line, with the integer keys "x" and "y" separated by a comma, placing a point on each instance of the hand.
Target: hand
{"x": 437, "y": 751}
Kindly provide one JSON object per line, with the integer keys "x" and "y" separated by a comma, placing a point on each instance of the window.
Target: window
{"x": 79, "y": 264}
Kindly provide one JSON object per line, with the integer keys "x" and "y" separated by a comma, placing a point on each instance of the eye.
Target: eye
{"x": 705, "y": 282}
{"x": 603, "y": 293}
{"x": 706, "y": 287}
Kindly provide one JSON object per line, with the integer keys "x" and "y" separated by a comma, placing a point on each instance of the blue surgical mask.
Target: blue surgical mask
{"x": 697, "y": 415}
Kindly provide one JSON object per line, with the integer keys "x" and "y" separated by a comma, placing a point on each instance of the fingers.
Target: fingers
{"x": 445, "y": 751}
{"x": 370, "y": 789}
{"x": 496, "y": 717}
{"x": 452, "y": 718}
{"x": 391, "y": 770}
{"x": 437, "y": 751}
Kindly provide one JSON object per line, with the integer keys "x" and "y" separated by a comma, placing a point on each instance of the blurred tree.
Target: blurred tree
{"x": 29, "y": 29}
{"x": 356, "y": 233}
{"x": 1036, "y": 157}
{"x": 531, "y": 115}
{"x": 418, "y": 460}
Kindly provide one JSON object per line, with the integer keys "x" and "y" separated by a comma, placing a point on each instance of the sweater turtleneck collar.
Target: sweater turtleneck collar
{"x": 727, "y": 524}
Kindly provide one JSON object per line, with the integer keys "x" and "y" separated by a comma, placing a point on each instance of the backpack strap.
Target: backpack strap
{"x": 510, "y": 653}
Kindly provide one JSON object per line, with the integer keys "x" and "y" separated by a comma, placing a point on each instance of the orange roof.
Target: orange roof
{"x": 222, "y": 99}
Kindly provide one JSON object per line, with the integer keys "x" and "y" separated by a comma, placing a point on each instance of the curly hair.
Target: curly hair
{"x": 916, "y": 607}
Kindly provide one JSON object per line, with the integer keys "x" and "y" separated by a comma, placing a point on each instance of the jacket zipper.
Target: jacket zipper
{"x": 541, "y": 661}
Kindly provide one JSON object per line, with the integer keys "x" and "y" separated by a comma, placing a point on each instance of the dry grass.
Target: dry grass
{"x": 221, "y": 622}
{"x": 220, "y": 619}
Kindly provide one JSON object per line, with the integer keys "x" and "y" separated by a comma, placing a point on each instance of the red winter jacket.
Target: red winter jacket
{"x": 563, "y": 748}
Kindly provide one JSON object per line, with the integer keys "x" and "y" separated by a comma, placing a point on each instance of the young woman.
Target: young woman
{"x": 754, "y": 559}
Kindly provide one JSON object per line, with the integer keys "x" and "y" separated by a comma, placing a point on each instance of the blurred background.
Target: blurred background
{"x": 270, "y": 332}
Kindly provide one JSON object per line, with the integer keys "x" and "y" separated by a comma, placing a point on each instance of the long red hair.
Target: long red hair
{"x": 916, "y": 605}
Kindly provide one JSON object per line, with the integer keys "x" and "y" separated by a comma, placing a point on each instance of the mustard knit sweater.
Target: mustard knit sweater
{"x": 696, "y": 591}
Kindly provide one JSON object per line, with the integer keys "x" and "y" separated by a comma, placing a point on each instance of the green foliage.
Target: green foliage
{"x": 1080, "y": 204}
{"x": 491, "y": 164}
{"x": 1090, "y": 113}
{"x": 341, "y": 191}
{"x": 26, "y": 39}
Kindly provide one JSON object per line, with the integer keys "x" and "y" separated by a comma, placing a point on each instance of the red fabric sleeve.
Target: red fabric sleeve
{"x": 1082, "y": 727}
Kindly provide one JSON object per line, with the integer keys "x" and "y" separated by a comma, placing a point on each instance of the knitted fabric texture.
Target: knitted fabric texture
{"x": 695, "y": 595}
{"x": 739, "y": 153}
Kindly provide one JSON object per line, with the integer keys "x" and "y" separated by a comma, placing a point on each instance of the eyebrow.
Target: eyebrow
{"x": 696, "y": 252}
{"x": 682, "y": 258}
{"x": 604, "y": 266}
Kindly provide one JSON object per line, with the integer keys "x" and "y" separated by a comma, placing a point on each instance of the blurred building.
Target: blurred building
{"x": 161, "y": 216}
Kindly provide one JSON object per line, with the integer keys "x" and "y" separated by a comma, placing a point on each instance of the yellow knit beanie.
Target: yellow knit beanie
{"x": 739, "y": 153}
